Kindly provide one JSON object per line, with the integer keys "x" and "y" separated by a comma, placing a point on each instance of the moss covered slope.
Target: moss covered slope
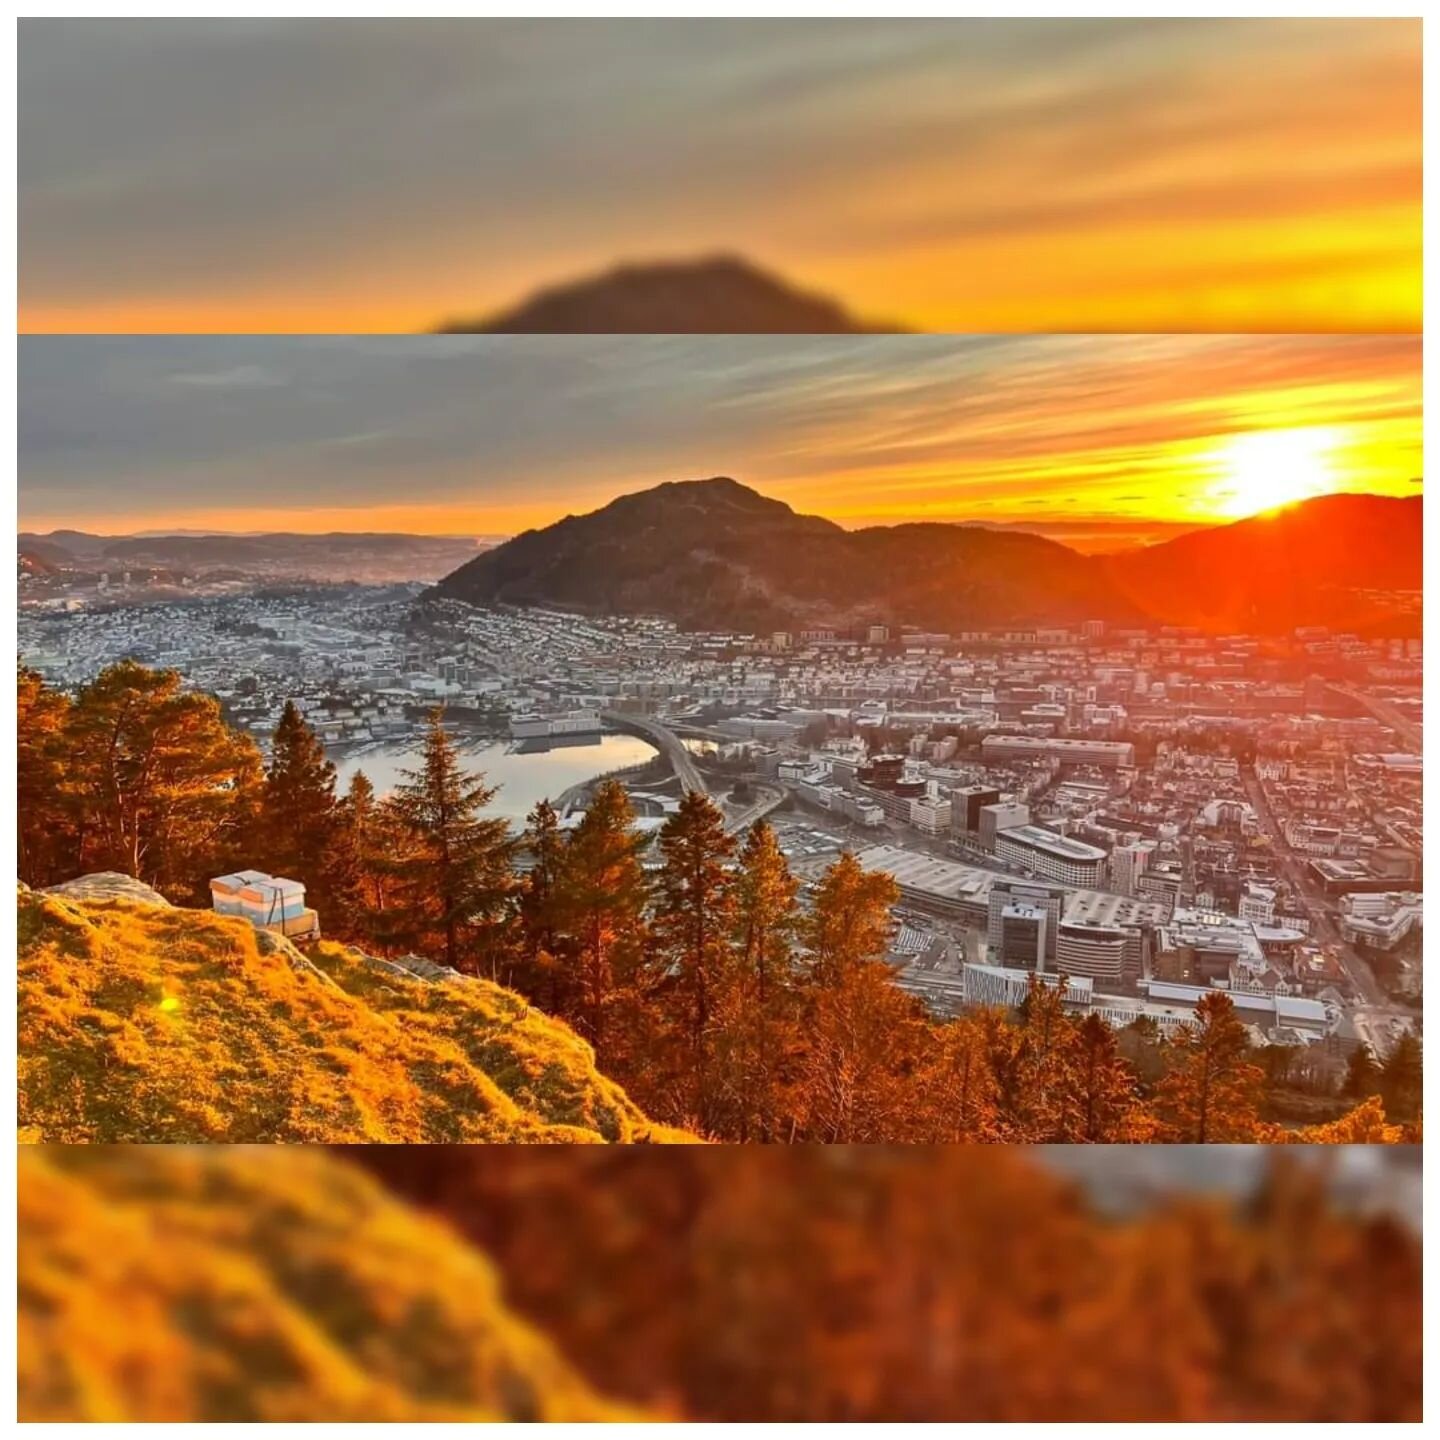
{"x": 142, "y": 1022}
{"x": 161, "y": 1283}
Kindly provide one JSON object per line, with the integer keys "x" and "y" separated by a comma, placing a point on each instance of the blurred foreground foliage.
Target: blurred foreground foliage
{"x": 163, "y": 1283}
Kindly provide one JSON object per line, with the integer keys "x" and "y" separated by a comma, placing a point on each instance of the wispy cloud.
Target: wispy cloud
{"x": 499, "y": 432}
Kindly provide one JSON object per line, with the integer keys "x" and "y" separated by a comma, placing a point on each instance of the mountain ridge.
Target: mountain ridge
{"x": 715, "y": 554}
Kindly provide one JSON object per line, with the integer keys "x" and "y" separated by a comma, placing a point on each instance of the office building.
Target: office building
{"x": 1056, "y": 857}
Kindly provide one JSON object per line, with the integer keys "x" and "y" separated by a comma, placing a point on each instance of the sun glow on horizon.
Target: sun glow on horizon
{"x": 1262, "y": 470}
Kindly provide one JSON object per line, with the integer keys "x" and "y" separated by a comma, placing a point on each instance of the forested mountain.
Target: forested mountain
{"x": 716, "y": 554}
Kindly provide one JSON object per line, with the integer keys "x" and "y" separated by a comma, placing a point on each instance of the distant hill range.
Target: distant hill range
{"x": 714, "y": 554}
{"x": 334, "y": 556}
{"x": 720, "y": 295}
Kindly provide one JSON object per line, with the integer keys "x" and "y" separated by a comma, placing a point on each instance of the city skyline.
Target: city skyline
{"x": 1101, "y": 441}
{"x": 945, "y": 175}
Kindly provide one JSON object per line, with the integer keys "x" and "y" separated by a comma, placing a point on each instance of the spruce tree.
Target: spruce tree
{"x": 358, "y": 864}
{"x": 299, "y": 806}
{"x": 759, "y": 1027}
{"x": 457, "y": 877}
{"x": 693, "y": 924}
{"x": 602, "y": 900}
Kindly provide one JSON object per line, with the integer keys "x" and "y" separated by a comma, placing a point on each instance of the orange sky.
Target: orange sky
{"x": 949, "y": 175}
{"x": 1095, "y": 438}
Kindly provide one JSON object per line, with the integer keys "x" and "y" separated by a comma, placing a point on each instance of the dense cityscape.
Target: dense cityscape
{"x": 1149, "y": 813}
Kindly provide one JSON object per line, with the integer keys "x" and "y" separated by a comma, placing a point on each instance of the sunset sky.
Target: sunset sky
{"x": 949, "y": 174}
{"x": 1101, "y": 441}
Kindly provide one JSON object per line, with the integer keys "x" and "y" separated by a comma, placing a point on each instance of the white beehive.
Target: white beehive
{"x": 225, "y": 890}
{"x": 272, "y": 900}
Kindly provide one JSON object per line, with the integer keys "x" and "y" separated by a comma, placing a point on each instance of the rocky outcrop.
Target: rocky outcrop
{"x": 109, "y": 885}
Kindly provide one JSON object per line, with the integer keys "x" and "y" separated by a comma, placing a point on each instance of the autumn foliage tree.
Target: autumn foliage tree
{"x": 537, "y": 910}
{"x": 692, "y": 957}
{"x": 140, "y": 776}
{"x": 46, "y": 820}
{"x": 603, "y": 907}
{"x": 903, "y": 1283}
{"x": 1212, "y": 1091}
{"x": 759, "y": 1018}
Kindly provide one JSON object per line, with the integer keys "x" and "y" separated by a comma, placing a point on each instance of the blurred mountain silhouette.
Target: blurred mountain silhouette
{"x": 715, "y": 295}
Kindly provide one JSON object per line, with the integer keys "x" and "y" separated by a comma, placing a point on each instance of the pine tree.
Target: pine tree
{"x": 457, "y": 878}
{"x": 602, "y": 901}
{"x": 861, "y": 1031}
{"x": 1402, "y": 1079}
{"x": 692, "y": 927}
{"x": 850, "y": 921}
{"x": 1211, "y": 1093}
{"x": 759, "y": 1028}
{"x": 299, "y": 806}
{"x": 1362, "y": 1074}
{"x": 163, "y": 788}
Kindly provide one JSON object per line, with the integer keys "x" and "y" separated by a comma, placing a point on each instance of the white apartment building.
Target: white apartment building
{"x": 1056, "y": 857}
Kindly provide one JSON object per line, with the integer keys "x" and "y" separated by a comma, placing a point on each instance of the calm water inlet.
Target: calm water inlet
{"x": 525, "y": 771}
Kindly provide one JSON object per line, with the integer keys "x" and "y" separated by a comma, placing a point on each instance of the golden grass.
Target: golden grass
{"x": 141, "y": 1022}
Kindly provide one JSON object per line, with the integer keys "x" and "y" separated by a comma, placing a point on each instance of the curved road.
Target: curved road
{"x": 665, "y": 741}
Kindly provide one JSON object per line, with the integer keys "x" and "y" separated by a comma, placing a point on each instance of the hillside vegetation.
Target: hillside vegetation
{"x": 143, "y": 1022}
{"x": 169, "y": 1283}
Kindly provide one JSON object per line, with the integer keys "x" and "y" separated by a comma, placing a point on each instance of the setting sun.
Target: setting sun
{"x": 1263, "y": 469}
